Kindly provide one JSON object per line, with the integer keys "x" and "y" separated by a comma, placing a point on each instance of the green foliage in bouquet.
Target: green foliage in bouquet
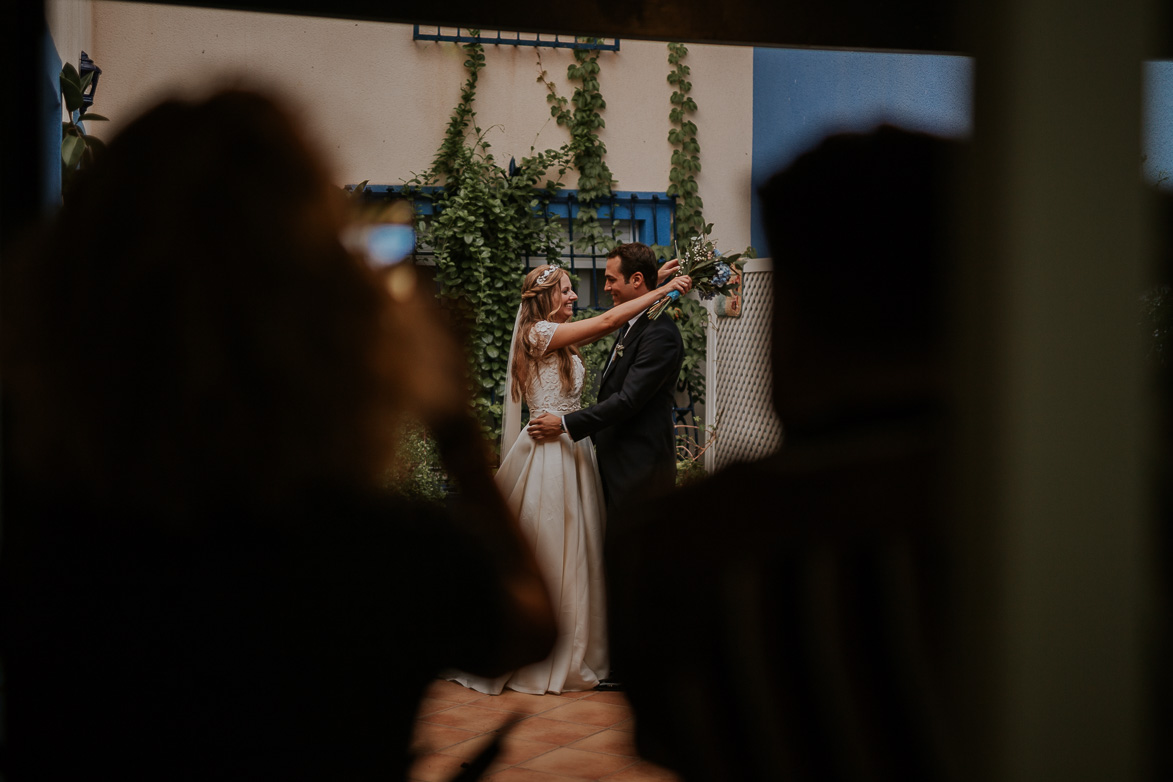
{"x": 711, "y": 272}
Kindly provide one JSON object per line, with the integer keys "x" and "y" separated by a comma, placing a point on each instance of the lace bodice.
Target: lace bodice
{"x": 545, "y": 392}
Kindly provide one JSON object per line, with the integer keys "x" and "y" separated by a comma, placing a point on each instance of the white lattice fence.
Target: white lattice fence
{"x": 737, "y": 399}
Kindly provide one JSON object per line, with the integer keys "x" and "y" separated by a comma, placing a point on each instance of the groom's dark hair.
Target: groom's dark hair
{"x": 636, "y": 257}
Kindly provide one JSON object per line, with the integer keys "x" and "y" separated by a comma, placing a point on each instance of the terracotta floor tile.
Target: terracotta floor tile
{"x": 495, "y": 768}
{"x": 429, "y": 737}
{"x": 521, "y": 702}
{"x": 528, "y": 775}
{"x": 552, "y": 731}
{"x": 434, "y": 768}
{"x": 516, "y": 751}
{"x": 612, "y": 742}
{"x": 577, "y": 762}
{"x": 570, "y": 737}
{"x": 576, "y": 695}
{"x": 470, "y": 748}
{"x": 472, "y": 718}
{"x": 588, "y": 713}
{"x": 451, "y": 691}
{"x": 431, "y": 706}
{"x": 614, "y": 698}
{"x": 643, "y": 771}
{"x": 513, "y": 749}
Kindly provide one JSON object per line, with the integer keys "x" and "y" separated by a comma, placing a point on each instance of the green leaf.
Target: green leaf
{"x": 72, "y": 148}
{"x": 70, "y": 93}
{"x": 70, "y": 74}
{"x": 91, "y": 116}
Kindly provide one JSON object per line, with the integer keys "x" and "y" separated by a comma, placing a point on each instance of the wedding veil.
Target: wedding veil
{"x": 511, "y": 410}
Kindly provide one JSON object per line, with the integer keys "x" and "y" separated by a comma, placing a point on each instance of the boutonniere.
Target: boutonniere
{"x": 619, "y": 349}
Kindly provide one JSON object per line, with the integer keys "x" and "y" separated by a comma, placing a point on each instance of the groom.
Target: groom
{"x": 631, "y": 423}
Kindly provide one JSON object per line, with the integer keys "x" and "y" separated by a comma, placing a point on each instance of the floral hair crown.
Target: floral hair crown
{"x": 546, "y": 274}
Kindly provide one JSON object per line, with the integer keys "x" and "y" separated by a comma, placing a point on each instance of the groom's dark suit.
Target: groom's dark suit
{"x": 632, "y": 423}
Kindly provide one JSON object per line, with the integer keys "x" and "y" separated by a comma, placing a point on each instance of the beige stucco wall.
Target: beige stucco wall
{"x": 378, "y": 102}
{"x": 70, "y": 25}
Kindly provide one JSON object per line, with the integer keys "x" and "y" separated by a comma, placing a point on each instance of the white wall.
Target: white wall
{"x": 378, "y": 102}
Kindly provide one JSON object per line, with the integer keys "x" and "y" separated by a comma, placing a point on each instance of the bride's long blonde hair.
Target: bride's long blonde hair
{"x": 537, "y": 303}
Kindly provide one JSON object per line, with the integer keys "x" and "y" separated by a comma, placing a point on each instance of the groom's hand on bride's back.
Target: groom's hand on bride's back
{"x": 544, "y": 427}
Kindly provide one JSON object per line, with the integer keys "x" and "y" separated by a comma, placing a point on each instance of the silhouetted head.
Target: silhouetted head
{"x": 857, "y": 229}
{"x": 194, "y": 327}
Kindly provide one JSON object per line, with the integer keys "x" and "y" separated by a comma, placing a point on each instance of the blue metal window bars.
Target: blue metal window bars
{"x": 509, "y": 38}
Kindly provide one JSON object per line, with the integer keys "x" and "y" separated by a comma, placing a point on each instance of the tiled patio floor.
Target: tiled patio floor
{"x": 573, "y": 737}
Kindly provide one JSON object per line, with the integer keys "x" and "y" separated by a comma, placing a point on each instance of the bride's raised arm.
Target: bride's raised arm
{"x": 582, "y": 332}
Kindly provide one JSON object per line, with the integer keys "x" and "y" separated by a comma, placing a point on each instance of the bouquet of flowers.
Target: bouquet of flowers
{"x": 711, "y": 271}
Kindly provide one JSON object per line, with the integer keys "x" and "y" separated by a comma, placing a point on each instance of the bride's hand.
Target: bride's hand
{"x": 682, "y": 284}
{"x": 667, "y": 270}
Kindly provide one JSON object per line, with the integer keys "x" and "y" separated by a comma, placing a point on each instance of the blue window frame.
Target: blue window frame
{"x": 509, "y": 38}
{"x": 631, "y": 217}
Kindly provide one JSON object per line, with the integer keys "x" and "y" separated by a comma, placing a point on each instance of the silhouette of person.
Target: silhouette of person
{"x": 201, "y": 577}
{"x": 782, "y": 619}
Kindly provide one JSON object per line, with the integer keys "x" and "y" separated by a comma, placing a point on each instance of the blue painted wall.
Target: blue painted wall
{"x": 801, "y": 95}
{"x": 51, "y": 126}
{"x": 1158, "y": 122}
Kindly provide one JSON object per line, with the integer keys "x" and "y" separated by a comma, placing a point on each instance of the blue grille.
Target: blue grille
{"x": 508, "y": 38}
{"x": 632, "y": 217}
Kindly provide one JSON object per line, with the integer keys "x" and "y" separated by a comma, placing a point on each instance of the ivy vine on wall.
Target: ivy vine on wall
{"x": 686, "y": 155}
{"x": 691, "y": 316}
{"x": 586, "y": 149}
{"x": 485, "y": 222}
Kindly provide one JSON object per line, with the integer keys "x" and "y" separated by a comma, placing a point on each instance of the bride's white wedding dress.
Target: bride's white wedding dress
{"x": 555, "y": 490}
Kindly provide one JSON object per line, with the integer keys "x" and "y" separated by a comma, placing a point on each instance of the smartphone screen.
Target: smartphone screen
{"x": 384, "y": 244}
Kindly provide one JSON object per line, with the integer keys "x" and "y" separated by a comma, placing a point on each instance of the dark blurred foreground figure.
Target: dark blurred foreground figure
{"x": 807, "y": 588}
{"x": 201, "y": 578}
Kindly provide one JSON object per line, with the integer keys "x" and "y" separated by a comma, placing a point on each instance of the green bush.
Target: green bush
{"x": 418, "y": 473}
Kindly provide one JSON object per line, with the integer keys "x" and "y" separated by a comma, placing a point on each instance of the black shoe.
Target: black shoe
{"x": 609, "y": 685}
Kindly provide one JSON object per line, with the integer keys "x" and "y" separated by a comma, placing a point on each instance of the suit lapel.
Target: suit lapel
{"x": 629, "y": 340}
{"x": 612, "y": 357}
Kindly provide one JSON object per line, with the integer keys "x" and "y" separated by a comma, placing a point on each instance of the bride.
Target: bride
{"x": 553, "y": 486}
